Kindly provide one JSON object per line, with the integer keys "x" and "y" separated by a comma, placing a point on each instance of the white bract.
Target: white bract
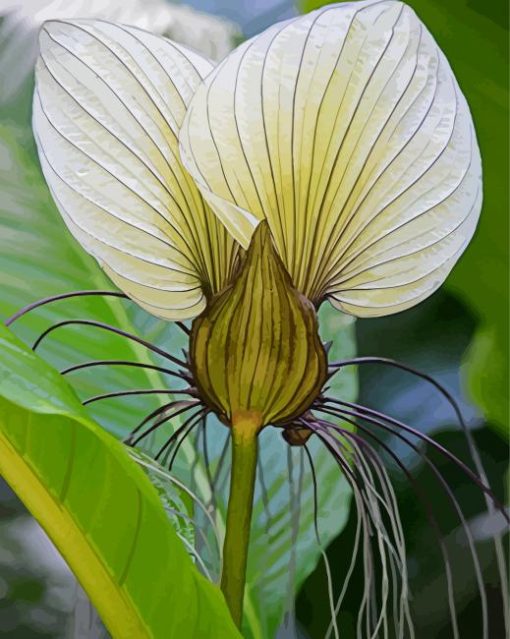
{"x": 345, "y": 129}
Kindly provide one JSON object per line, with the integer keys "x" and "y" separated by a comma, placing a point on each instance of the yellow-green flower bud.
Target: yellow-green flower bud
{"x": 256, "y": 351}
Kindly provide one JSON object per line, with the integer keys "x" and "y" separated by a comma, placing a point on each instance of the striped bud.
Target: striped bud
{"x": 256, "y": 350}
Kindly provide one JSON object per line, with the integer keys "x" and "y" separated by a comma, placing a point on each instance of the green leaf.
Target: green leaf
{"x": 474, "y": 37}
{"x": 99, "y": 508}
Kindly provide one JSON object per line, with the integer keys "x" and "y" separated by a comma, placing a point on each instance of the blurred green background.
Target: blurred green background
{"x": 460, "y": 335}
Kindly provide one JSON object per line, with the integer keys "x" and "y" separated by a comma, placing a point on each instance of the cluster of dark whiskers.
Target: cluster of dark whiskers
{"x": 359, "y": 452}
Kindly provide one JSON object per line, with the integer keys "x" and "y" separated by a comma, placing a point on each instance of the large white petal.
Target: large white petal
{"x": 347, "y": 131}
{"x": 108, "y": 106}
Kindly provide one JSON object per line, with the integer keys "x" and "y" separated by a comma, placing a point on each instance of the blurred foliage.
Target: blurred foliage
{"x": 474, "y": 36}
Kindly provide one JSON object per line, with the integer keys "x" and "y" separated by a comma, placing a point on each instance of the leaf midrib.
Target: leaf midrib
{"x": 121, "y": 614}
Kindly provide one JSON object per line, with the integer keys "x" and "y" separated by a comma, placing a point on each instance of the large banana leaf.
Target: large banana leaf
{"x": 38, "y": 257}
{"x": 99, "y": 508}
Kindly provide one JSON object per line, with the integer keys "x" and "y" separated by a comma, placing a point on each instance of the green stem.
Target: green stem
{"x": 240, "y": 504}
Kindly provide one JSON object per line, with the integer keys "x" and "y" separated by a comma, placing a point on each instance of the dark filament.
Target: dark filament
{"x": 121, "y": 362}
{"x": 56, "y": 298}
{"x": 191, "y": 424}
{"x": 112, "y": 329}
{"x": 141, "y": 391}
{"x": 375, "y": 417}
{"x": 63, "y": 296}
{"x": 180, "y": 407}
{"x": 171, "y": 441}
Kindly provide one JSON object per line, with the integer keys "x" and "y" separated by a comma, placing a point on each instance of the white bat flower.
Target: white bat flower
{"x": 332, "y": 157}
{"x": 345, "y": 129}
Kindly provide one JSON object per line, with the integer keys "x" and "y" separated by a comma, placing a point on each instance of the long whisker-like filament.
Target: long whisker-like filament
{"x": 193, "y": 422}
{"x": 335, "y": 608}
{"x": 367, "y": 499}
{"x": 381, "y": 619}
{"x": 397, "y": 554}
{"x": 337, "y": 450}
{"x": 430, "y": 516}
{"x": 121, "y": 362}
{"x": 498, "y": 543}
{"x": 151, "y": 415}
{"x": 363, "y": 412}
{"x": 141, "y": 391}
{"x": 112, "y": 329}
{"x": 327, "y": 566}
{"x": 63, "y": 296}
{"x": 180, "y": 406}
{"x": 173, "y": 437}
{"x": 372, "y": 628}
{"x": 413, "y": 371}
{"x": 348, "y": 574}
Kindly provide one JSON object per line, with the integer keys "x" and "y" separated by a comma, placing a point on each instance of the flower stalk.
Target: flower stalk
{"x": 245, "y": 429}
